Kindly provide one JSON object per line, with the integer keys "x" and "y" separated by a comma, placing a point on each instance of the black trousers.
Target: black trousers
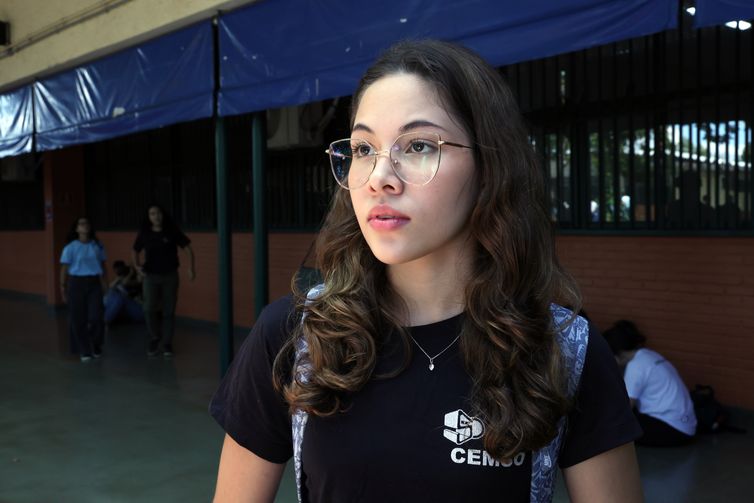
{"x": 658, "y": 433}
{"x": 160, "y": 299}
{"x": 86, "y": 313}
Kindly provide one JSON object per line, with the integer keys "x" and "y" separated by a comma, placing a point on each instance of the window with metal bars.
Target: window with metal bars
{"x": 172, "y": 166}
{"x": 648, "y": 134}
{"x": 298, "y": 180}
{"x": 21, "y": 193}
{"x": 175, "y": 167}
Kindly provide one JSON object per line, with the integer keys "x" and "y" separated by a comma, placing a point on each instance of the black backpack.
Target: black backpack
{"x": 711, "y": 415}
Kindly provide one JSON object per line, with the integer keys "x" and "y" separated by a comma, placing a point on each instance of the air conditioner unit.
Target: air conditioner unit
{"x": 298, "y": 126}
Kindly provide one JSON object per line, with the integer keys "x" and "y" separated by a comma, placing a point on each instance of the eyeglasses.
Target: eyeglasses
{"x": 414, "y": 157}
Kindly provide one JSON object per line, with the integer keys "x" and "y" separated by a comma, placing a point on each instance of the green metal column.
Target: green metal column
{"x": 224, "y": 249}
{"x": 259, "y": 149}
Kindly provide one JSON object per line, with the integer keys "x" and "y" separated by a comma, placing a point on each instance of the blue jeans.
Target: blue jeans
{"x": 118, "y": 304}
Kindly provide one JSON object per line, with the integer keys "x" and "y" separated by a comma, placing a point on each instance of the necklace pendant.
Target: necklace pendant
{"x": 431, "y": 366}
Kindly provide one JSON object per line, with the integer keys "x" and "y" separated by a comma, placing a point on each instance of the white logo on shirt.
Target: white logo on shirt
{"x": 479, "y": 457}
{"x": 460, "y": 427}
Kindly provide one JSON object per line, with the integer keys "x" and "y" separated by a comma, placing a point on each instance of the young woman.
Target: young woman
{"x": 431, "y": 364}
{"x": 159, "y": 237}
{"x": 83, "y": 282}
{"x": 661, "y": 401}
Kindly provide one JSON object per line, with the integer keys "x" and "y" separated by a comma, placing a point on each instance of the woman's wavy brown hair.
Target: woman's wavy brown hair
{"x": 508, "y": 342}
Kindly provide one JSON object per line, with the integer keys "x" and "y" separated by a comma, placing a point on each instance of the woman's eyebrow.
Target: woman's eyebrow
{"x": 361, "y": 127}
{"x": 417, "y": 124}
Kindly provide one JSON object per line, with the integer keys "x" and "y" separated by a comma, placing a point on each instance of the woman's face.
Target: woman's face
{"x": 403, "y": 223}
{"x": 155, "y": 215}
{"x": 83, "y": 226}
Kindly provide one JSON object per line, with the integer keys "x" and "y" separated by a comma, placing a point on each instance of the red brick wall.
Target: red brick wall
{"x": 23, "y": 264}
{"x": 692, "y": 297}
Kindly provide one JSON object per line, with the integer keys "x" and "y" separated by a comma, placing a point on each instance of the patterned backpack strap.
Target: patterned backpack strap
{"x": 301, "y": 372}
{"x": 573, "y": 337}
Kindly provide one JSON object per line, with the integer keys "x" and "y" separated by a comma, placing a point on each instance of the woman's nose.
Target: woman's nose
{"x": 383, "y": 176}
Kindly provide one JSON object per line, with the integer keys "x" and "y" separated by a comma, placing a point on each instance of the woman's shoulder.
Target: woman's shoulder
{"x": 275, "y": 323}
{"x": 278, "y": 311}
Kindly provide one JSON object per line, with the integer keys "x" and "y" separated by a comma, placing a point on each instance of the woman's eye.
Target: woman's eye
{"x": 421, "y": 147}
{"x": 361, "y": 150}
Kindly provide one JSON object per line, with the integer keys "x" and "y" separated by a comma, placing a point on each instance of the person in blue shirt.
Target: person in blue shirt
{"x": 83, "y": 281}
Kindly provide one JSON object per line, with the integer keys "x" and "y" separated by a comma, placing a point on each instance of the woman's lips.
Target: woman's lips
{"x": 385, "y": 218}
{"x": 388, "y": 223}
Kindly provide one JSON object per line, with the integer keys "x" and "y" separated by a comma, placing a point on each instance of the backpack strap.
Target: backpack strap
{"x": 301, "y": 372}
{"x": 573, "y": 337}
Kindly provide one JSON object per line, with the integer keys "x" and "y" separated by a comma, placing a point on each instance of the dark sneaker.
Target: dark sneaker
{"x": 152, "y": 351}
{"x": 167, "y": 351}
{"x": 97, "y": 353}
{"x": 85, "y": 358}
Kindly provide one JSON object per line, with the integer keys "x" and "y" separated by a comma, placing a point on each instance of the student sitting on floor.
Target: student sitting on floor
{"x": 123, "y": 299}
{"x": 660, "y": 399}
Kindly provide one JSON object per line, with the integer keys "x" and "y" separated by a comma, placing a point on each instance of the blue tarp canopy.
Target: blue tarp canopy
{"x": 16, "y": 122}
{"x": 285, "y": 52}
{"x": 161, "y": 82}
{"x": 712, "y": 12}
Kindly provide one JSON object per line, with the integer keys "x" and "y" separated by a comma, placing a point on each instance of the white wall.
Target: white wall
{"x": 126, "y": 24}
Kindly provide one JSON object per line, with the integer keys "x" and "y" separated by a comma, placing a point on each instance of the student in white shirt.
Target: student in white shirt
{"x": 661, "y": 401}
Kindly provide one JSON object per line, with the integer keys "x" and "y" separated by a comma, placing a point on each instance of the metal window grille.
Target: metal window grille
{"x": 172, "y": 166}
{"x": 652, "y": 133}
{"x": 298, "y": 182}
{"x": 21, "y": 193}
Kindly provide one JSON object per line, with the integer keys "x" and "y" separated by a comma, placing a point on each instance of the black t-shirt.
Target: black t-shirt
{"x": 160, "y": 249}
{"x": 412, "y": 437}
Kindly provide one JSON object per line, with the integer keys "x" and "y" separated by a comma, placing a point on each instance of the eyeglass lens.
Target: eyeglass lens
{"x": 414, "y": 157}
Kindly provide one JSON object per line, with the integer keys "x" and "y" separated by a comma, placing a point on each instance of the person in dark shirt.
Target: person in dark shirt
{"x": 159, "y": 238}
{"x": 434, "y": 362}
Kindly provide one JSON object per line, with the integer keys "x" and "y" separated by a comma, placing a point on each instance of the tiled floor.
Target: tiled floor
{"x": 131, "y": 429}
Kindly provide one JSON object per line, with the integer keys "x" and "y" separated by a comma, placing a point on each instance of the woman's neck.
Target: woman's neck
{"x": 431, "y": 292}
{"x": 84, "y": 238}
{"x": 157, "y": 228}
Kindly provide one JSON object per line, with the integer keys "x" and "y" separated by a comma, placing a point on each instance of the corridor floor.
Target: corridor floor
{"x": 126, "y": 428}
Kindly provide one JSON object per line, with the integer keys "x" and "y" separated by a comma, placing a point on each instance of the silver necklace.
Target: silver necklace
{"x": 432, "y": 358}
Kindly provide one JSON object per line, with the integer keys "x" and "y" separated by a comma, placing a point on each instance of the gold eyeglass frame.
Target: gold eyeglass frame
{"x": 440, "y": 143}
